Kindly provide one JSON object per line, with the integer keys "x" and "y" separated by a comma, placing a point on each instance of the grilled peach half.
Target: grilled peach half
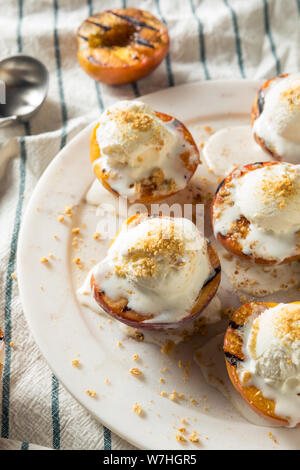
{"x": 257, "y": 109}
{"x": 121, "y": 46}
{"x": 233, "y": 350}
{"x": 119, "y": 309}
{"x": 149, "y": 189}
{"x": 229, "y": 241}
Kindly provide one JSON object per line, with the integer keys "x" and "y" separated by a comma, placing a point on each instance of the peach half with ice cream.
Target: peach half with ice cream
{"x": 256, "y": 212}
{"x": 159, "y": 273}
{"x": 276, "y": 117}
{"x": 262, "y": 354}
{"x": 142, "y": 154}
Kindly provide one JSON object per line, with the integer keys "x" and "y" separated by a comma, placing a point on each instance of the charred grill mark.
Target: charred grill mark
{"x": 212, "y": 276}
{"x": 232, "y": 358}
{"x": 260, "y": 101}
{"x": 220, "y": 185}
{"x": 101, "y": 292}
{"x": 83, "y": 37}
{"x": 144, "y": 42}
{"x": 235, "y": 326}
{"x": 126, "y": 309}
{"x": 133, "y": 21}
{"x": 100, "y": 25}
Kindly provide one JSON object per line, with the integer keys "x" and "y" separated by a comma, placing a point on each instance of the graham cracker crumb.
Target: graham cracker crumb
{"x": 208, "y": 129}
{"x": 68, "y": 210}
{"x": 270, "y": 435}
{"x": 96, "y": 236}
{"x": 168, "y": 347}
{"x": 137, "y": 409}
{"x": 194, "y": 438}
{"x": 135, "y": 371}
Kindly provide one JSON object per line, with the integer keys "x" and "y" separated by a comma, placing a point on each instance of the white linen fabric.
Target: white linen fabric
{"x": 210, "y": 39}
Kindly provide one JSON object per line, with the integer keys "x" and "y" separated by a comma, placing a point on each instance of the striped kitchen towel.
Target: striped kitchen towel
{"x": 210, "y": 39}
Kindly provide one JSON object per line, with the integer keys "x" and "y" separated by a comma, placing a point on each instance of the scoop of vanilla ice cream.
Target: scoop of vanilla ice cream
{"x": 130, "y": 134}
{"x": 282, "y": 108}
{"x": 159, "y": 249}
{"x": 274, "y": 346}
{"x": 160, "y": 265}
{"x": 270, "y": 197}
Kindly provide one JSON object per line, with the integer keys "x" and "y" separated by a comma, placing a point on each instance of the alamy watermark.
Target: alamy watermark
{"x": 112, "y": 216}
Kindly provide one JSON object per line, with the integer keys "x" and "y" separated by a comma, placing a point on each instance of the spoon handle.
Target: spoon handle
{"x": 7, "y": 120}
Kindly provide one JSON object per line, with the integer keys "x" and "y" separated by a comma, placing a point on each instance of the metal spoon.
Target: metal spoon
{"x": 25, "y": 82}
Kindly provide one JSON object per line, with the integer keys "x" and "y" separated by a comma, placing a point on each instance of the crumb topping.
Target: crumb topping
{"x": 137, "y": 120}
{"x": 142, "y": 256}
{"x": 292, "y": 96}
{"x": 287, "y": 324}
{"x": 280, "y": 189}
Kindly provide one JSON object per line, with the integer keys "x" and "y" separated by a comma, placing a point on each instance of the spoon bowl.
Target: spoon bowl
{"x": 25, "y": 82}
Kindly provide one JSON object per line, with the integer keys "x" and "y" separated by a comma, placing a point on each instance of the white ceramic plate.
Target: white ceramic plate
{"x": 64, "y": 330}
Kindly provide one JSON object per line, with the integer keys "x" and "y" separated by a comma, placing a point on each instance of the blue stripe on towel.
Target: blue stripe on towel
{"x": 135, "y": 89}
{"x": 59, "y": 77}
{"x": 201, "y": 41}
{"x": 168, "y": 59}
{"x": 97, "y": 85}
{"x": 237, "y": 38}
{"x": 268, "y": 33}
{"x": 8, "y": 296}
{"x": 55, "y": 413}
